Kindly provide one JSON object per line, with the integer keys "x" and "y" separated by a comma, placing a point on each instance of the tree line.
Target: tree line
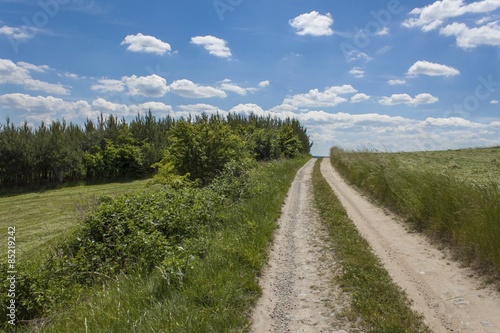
{"x": 111, "y": 148}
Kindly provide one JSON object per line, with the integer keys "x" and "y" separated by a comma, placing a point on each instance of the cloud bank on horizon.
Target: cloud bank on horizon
{"x": 390, "y": 74}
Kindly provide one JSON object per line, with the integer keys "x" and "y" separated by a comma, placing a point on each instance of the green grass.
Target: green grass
{"x": 218, "y": 289}
{"x": 41, "y": 217}
{"x": 458, "y": 205}
{"x": 481, "y": 165}
{"x": 376, "y": 300}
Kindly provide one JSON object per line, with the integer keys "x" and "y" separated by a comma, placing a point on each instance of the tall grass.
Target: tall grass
{"x": 462, "y": 214}
{"x": 217, "y": 289}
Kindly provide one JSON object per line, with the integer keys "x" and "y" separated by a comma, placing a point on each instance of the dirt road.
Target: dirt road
{"x": 450, "y": 299}
{"x": 298, "y": 293}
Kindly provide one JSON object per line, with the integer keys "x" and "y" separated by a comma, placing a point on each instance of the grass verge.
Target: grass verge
{"x": 217, "y": 289}
{"x": 376, "y": 299}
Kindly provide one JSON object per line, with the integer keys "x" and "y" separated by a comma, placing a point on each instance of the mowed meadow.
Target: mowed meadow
{"x": 453, "y": 196}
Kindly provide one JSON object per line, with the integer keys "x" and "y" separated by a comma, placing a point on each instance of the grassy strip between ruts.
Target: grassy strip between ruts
{"x": 216, "y": 293}
{"x": 376, "y": 299}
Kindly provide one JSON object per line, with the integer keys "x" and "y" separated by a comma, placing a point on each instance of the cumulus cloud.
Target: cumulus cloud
{"x": 149, "y": 86}
{"x": 315, "y": 98}
{"x": 146, "y": 44}
{"x": 19, "y": 74}
{"x": 313, "y": 24}
{"x": 396, "y": 99}
{"x": 357, "y": 72}
{"x": 469, "y": 38}
{"x": 434, "y": 15}
{"x": 494, "y": 101}
{"x": 42, "y": 104}
{"x": 189, "y": 89}
{"x": 227, "y": 85}
{"x": 124, "y": 110}
{"x": 359, "y": 98}
{"x": 215, "y": 46}
{"x": 431, "y": 69}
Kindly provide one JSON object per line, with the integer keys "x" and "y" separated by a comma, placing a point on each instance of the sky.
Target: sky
{"x": 380, "y": 74}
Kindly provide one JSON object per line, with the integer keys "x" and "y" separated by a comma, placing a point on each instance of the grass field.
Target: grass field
{"x": 480, "y": 165}
{"x": 453, "y": 196}
{"x": 41, "y": 217}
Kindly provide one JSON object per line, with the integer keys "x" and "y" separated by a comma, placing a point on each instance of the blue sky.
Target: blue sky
{"x": 391, "y": 74}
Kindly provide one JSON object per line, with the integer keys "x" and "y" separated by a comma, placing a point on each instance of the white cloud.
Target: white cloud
{"x": 494, "y": 101}
{"x": 313, "y": 24}
{"x": 229, "y": 86}
{"x": 42, "y": 104}
{"x": 396, "y": 82}
{"x": 424, "y": 99}
{"x": 359, "y": 98}
{"x": 344, "y": 89}
{"x": 215, "y": 46}
{"x": 247, "y": 109}
{"x": 431, "y": 69}
{"x": 34, "y": 68}
{"x": 357, "y": 72}
{"x": 19, "y": 74}
{"x": 264, "y": 84}
{"x": 149, "y": 86}
{"x": 434, "y": 15}
{"x": 407, "y": 99}
{"x": 108, "y": 85}
{"x": 146, "y": 44}
{"x": 102, "y": 105}
{"x": 200, "y": 108}
{"x": 19, "y": 33}
{"x": 468, "y": 38}
{"x": 186, "y": 88}
{"x": 49, "y": 88}
{"x": 383, "y": 32}
{"x": 315, "y": 98}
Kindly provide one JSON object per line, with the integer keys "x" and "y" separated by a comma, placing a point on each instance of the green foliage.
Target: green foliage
{"x": 207, "y": 285}
{"x": 202, "y": 149}
{"x": 110, "y": 148}
{"x": 381, "y": 305}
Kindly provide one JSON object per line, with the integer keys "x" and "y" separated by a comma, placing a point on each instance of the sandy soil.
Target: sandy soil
{"x": 448, "y": 296}
{"x": 298, "y": 293}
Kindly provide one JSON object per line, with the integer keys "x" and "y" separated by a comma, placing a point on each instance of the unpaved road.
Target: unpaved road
{"x": 298, "y": 294}
{"x": 450, "y": 299}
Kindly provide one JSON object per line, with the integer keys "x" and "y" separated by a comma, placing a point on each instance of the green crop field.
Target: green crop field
{"x": 477, "y": 165}
{"x": 454, "y": 196}
{"x": 41, "y": 217}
